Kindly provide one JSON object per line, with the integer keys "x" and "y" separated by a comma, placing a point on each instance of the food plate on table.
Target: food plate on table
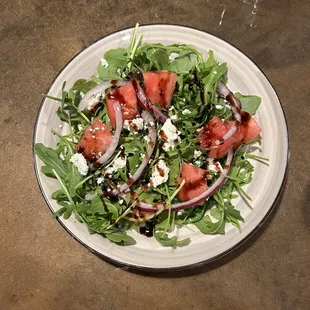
{"x": 168, "y": 154}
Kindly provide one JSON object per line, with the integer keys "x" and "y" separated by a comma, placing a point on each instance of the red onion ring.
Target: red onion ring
{"x": 197, "y": 200}
{"x": 115, "y": 140}
{"x": 151, "y": 145}
{"x": 101, "y": 88}
{"x": 235, "y": 104}
{"x": 145, "y": 102}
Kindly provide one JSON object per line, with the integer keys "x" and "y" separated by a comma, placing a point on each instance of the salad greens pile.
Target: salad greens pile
{"x": 83, "y": 196}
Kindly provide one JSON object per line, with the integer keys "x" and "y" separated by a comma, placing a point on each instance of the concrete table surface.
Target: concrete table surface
{"x": 42, "y": 267}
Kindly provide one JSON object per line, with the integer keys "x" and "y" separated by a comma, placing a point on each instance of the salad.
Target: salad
{"x": 156, "y": 141}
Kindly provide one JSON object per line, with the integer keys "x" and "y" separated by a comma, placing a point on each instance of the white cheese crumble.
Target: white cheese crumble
{"x": 104, "y": 63}
{"x": 170, "y": 134}
{"x": 93, "y": 101}
{"x": 197, "y": 163}
{"x": 80, "y": 127}
{"x": 174, "y": 117}
{"x": 173, "y": 56}
{"x": 197, "y": 154}
{"x": 214, "y": 166}
{"x": 79, "y": 161}
{"x": 160, "y": 174}
{"x": 186, "y": 112}
{"x": 90, "y": 196}
{"x": 119, "y": 70}
{"x": 100, "y": 180}
{"x": 218, "y": 106}
{"x": 118, "y": 163}
{"x": 136, "y": 124}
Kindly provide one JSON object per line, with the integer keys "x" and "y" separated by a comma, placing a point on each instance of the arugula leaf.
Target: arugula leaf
{"x": 174, "y": 166}
{"x": 149, "y": 196}
{"x": 51, "y": 159}
{"x": 166, "y": 241}
{"x": 249, "y": 103}
{"x": 120, "y": 237}
{"x": 60, "y": 212}
{"x": 48, "y": 171}
{"x": 160, "y": 59}
{"x": 184, "y": 63}
{"x": 216, "y": 213}
{"x": 114, "y": 208}
{"x": 116, "y": 57}
{"x": 72, "y": 179}
{"x": 108, "y": 73}
{"x": 83, "y": 85}
{"x": 229, "y": 209}
{"x": 97, "y": 206}
{"x": 206, "y": 226}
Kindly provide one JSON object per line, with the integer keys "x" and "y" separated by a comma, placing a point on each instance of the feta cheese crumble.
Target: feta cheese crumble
{"x": 174, "y": 117}
{"x": 90, "y": 196}
{"x": 214, "y": 166}
{"x": 160, "y": 174}
{"x": 136, "y": 124}
{"x": 197, "y": 154}
{"x": 100, "y": 180}
{"x": 79, "y": 161}
{"x": 94, "y": 100}
{"x": 173, "y": 56}
{"x": 104, "y": 63}
{"x": 170, "y": 134}
{"x": 118, "y": 163}
{"x": 218, "y": 106}
{"x": 186, "y": 112}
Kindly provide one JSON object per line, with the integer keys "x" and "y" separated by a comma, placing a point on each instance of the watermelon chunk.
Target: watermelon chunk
{"x": 216, "y": 129}
{"x": 159, "y": 86}
{"x": 127, "y": 98}
{"x": 195, "y": 181}
{"x": 251, "y": 128}
{"x": 95, "y": 140}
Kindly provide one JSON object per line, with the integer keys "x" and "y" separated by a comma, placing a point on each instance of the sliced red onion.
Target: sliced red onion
{"x": 101, "y": 88}
{"x": 197, "y": 200}
{"x": 151, "y": 145}
{"x": 145, "y": 102}
{"x": 224, "y": 92}
{"x": 235, "y": 104}
{"x": 114, "y": 143}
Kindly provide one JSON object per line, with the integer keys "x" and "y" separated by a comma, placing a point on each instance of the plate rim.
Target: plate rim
{"x": 177, "y": 268}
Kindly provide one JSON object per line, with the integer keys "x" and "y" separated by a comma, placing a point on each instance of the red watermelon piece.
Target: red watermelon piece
{"x": 159, "y": 86}
{"x": 251, "y": 128}
{"x": 195, "y": 181}
{"x": 95, "y": 140}
{"x": 216, "y": 129}
{"x": 127, "y": 98}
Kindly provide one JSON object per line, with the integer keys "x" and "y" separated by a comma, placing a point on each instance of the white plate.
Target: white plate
{"x": 265, "y": 188}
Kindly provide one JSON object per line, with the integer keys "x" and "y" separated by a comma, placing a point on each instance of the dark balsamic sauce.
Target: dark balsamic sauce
{"x": 148, "y": 229}
{"x": 117, "y": 96}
